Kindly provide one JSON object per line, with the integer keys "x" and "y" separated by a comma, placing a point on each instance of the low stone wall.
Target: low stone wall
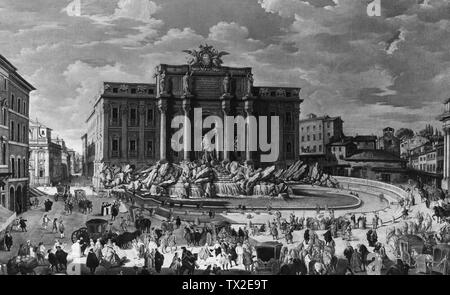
{"x": 391, "y": 192}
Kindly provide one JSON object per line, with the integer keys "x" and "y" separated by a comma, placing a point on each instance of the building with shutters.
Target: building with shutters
{"x": 14, "y": 148}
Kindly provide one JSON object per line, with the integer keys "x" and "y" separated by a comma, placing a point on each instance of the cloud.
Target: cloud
{"x": 138, "y": 10}
{"x": 373, "y": 71}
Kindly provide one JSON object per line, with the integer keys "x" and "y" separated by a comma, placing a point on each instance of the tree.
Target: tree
{"x": 428, "y": 132}
{"x": 405, "y": 133}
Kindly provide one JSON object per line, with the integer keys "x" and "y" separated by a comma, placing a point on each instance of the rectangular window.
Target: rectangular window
{"x": 307, "y": 128}
{"x": 303, "y": 138}
{"x": 115, "y": 116}
{"x": 115, "y": 148}
{"x": 314, "y": 127}
{"x": 320, "y": 136}
{"x": 320, "y": 147}
{"x": 132, "y": 148}
{"x": 314, "y": 137}
{"x": 133, "y": 117}
{"x": 328, "y": 124}
{"x": 288, "y": 118}
{"x": 288, "y": 147}
{"x": 307, "y": 137}
{"x": 150, "y": 116}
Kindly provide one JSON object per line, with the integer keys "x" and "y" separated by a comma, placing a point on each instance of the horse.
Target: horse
{"x": 143, "y": 224}
{"x": 288, "y": 236}
{"x": 16, "y": 265}
{"x": 124, "y": 240}
{"x": 188, "y": 262}
{"x": 295, "y": 267}
{"x": 188, "y": 236}
{"x": 440, "y": 213}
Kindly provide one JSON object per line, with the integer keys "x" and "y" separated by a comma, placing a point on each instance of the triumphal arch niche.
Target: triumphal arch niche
{"x": 222, "y": 91}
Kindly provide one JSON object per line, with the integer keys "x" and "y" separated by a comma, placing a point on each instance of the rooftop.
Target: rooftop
{"x": 374, "y": 155}
{"x": 313, "y": 117}
{"x": 364, "y": 138}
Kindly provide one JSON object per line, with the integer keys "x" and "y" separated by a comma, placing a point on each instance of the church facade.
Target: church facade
{"x": 131, "y": 123}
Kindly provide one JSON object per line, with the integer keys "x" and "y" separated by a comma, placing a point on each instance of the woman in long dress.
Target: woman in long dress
{"x": 204, "y": 254}
{"x": 122, "y": 207}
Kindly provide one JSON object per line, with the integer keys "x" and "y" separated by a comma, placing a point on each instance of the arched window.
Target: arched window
{"x": 4, "y": 154}
{"x": 4, "y": 117}
{"x": 12, "y": 101}
{"x": 18, "y": 105}
{"x": 13, "y": 166}
{"x": 18, "y": 132}
{"x": 18, "y": 168}
{"x": 11, "y": 131}
{"x": 25, "y": 168}
{"x": 25, "y": 108}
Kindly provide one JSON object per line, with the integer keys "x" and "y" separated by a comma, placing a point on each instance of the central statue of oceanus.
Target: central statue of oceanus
{"x": 206, "y": 57}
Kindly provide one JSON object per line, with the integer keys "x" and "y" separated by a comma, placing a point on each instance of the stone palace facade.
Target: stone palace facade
{"x": 131, "y": 123}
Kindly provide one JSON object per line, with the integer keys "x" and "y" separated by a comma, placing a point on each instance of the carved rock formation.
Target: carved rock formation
{"x": 204, "y": 179}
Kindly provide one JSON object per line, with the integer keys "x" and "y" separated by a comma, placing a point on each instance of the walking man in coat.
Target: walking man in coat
{"x": 61, "y": 258}
{"x": 8, "y": 241}
{"x": 159, "y": 261}
{"x": 92, "y": 261}
{"x": 23, "y": 224}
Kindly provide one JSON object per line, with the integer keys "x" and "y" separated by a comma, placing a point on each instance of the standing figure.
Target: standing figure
{"x": 23, "y": 224}
{"x": 226, "y": 83}
{"x": 162, "y": 82}
{"x": 61, "y": 228}
{"x": 250, "y": 83}
{"x": 8, "y": 241}
{"x": 92, "y": 261}
{"x": 187, "y": 83}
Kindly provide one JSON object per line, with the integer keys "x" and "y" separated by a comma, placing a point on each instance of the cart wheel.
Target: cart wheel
{"x": 80, "y": 233}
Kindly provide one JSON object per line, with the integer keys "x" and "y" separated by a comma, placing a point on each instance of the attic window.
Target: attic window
{"x": 151, "y": 91}
{"x": 115, "y": 90}
{"x": 133, "y": 90}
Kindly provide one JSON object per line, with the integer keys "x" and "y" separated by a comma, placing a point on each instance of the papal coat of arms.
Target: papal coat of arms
{"x": 205, "y": 57}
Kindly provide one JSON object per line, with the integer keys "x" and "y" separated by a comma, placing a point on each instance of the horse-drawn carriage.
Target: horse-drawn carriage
{"x": 62, "y": 192}
{"x": 80, "y": 198}
{"x": 95, "y": 229}
{"x": 441, "y": 259}
{"x": 408, "y": 247}
{"x": 268, "y": 257}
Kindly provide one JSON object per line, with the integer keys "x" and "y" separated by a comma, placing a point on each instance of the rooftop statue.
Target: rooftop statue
{"x": 206, "y": 57}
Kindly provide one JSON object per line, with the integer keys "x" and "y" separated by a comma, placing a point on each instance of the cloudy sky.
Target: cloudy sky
{"x": 373, "y": 71}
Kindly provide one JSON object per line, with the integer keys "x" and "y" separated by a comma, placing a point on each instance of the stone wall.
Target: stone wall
{"x": 391, "y": 192}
